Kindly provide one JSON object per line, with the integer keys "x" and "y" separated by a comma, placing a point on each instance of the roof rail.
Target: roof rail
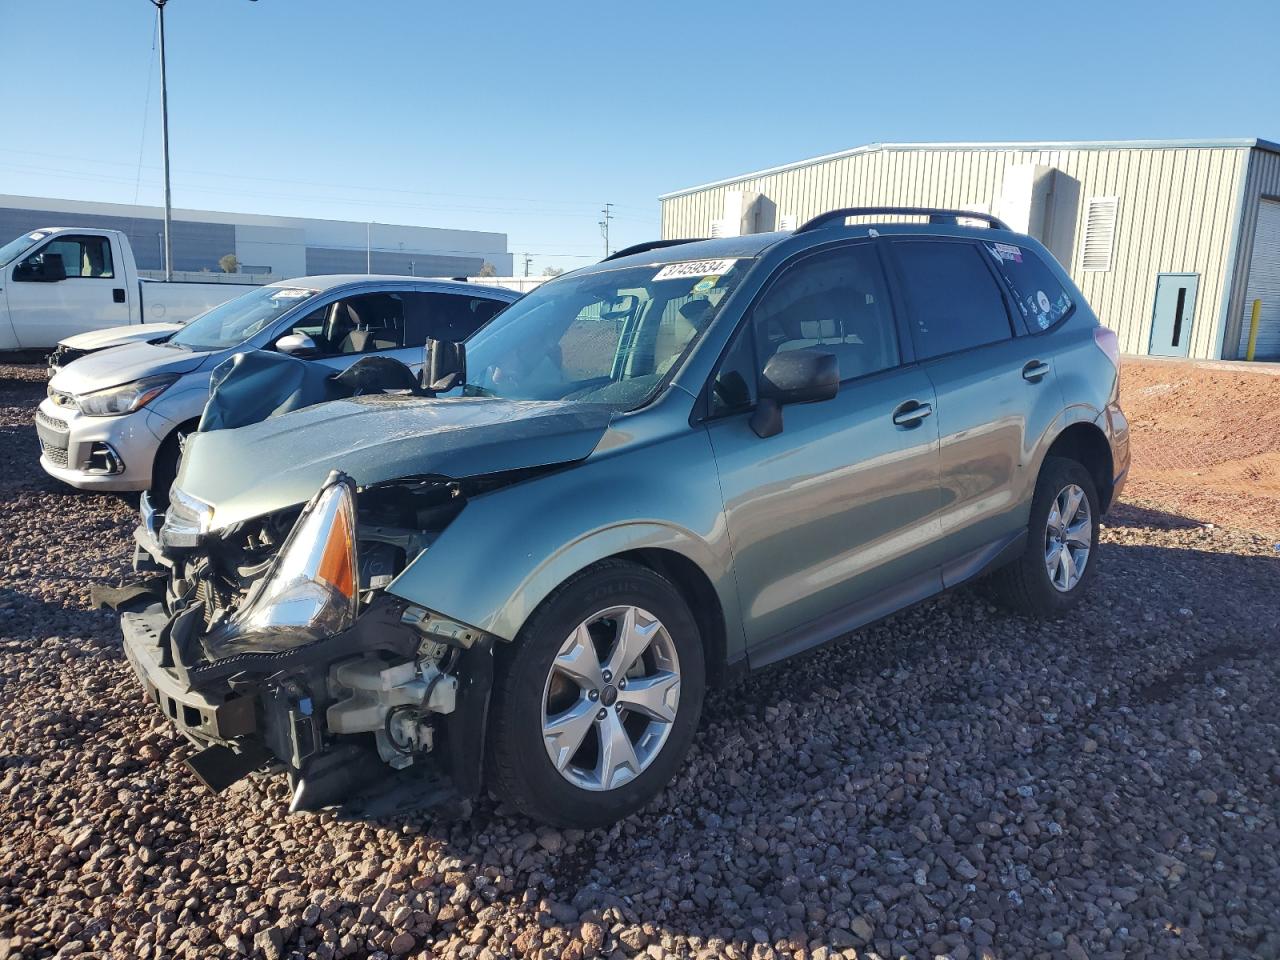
{"x": 935, "y": 215}
{"x": 649, "y": 245}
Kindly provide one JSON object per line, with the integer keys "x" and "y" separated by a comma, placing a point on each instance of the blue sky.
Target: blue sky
{"x": 525, "y": 118}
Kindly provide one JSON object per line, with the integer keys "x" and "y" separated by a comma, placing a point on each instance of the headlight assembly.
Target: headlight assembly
{"x": 310, "y": 592}
{"x": 125, "y": 398}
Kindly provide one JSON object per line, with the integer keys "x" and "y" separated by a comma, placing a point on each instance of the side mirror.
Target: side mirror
{"x": 793, "y": 376}
{"x": 297, "y": 345}
{"x": 445, "y": 365}
{"x": 42, "y": 268}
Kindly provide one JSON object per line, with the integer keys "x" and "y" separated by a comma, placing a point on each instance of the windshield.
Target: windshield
{"x": 15, "y": 248}
{"x": 609, "y": 336}
{"x": 232, "y": 323}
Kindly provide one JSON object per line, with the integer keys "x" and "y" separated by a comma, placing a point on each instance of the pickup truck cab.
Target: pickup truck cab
{"x": 57, "y": 282}
{"x": 114, "y": 420}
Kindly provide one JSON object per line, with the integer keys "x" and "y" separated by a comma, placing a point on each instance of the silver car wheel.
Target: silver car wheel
{"x": 610, "y": 699}
{"x": 1068, "y": 538}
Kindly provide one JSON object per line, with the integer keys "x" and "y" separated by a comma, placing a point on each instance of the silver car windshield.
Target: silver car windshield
{"x": 16, "y": 247}
{"x": 232, "y": 323}
{"x": 607, "y": 336}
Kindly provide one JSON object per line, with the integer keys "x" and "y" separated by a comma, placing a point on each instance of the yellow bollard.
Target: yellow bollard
{"x": 1253, "y": 329}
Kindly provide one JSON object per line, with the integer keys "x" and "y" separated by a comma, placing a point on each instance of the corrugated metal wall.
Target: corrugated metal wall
{"x": 1176, "y": 213}
{"x": 1263, "y": 182}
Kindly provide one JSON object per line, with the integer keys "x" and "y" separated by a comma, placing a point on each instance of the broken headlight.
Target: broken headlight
{"x": 310, "y": 591}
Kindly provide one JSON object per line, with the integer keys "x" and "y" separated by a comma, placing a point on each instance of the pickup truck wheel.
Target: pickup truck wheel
{"x": 1060, "y": 560}
{"x": 597, "y": 703}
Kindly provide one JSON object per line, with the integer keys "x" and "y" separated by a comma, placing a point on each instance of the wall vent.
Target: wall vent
{"x": 787, "y": 221}
{"x": 717, "y": 228}
{"x": 1099, "y": 233}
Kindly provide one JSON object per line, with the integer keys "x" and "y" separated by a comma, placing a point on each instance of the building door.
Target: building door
{"x": 1175, "y": 307}
{"x": 1264, "y": 285}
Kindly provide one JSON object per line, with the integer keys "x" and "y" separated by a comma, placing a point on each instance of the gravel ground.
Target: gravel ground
{"x": 955, "y": 782}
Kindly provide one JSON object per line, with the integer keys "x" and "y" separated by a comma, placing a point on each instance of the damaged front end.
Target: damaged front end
{"x": 271, "y": 644}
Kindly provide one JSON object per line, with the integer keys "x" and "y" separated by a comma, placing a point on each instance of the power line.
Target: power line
{"x": 312, "y": 198}
{"x": 319, "y": 183}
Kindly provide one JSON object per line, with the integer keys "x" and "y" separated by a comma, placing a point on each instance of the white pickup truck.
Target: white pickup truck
{"x": 59, "y": 282}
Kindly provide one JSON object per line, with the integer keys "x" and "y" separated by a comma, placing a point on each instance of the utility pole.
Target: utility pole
{"x": 527, "y": 260}
{"x": 604, "y": 225}
{"x": 164, "y": 140}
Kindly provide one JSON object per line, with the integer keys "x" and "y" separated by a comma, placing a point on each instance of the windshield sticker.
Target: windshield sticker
{"x": 1042, "y": 299}
{"x": 37, "y": 236}
{"x": 1005, "y": 251}
{"x": 695, "y": 268}
{"x": 706, "y": 283}
{"x": 291, "y": 293}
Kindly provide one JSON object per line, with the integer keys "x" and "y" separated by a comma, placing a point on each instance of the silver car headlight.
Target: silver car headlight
{"x": 311, "y": 590}
{"x": 125, "y": 398}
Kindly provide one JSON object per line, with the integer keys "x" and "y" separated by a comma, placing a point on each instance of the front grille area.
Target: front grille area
{"x": 58, "y": 426}
{"x": 52, "y": 434}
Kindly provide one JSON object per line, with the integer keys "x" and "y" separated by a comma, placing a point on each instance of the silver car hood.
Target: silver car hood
{"x": 115, "y": 336}
{"x": 123, "y": 364}
{"x": 282, "y": 461}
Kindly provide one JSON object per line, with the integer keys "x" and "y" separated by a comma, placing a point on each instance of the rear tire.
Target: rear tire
{"x": 571, "y": 743}
{"x": 1062, "y": 536}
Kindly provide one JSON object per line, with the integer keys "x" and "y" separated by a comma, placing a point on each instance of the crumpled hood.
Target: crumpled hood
{"x": 115, "y": 336}
{"x": 282, "y": 461}
{"x": 132, "y": 361}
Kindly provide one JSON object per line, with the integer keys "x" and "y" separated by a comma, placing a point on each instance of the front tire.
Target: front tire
{"x": 1060, "y": 559}
{"x": 596, "y": 705}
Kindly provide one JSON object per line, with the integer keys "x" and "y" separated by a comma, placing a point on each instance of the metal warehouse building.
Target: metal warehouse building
{"x": 266, "y": 247}
{"x": 1171, "y": 241}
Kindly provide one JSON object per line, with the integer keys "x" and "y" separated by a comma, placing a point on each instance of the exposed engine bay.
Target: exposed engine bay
{"x": 336, "y": 699}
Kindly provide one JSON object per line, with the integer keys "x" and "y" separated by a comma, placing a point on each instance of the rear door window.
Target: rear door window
{"x": 445, "y": 316}
{"x": 955, "y": 301}
{"x": 1036, "y": 290}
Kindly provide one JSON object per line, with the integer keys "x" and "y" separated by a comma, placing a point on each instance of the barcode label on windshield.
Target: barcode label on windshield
{"x": 695, "y": 268}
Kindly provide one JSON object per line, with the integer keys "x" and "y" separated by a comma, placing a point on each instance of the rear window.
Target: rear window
{"x": 1039, "y": 295}
{"x": 955, "y": 301}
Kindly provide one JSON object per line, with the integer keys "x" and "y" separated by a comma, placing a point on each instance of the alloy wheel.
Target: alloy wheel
{"x": 610, "y": 698}
{"x": 1068, "y": 538}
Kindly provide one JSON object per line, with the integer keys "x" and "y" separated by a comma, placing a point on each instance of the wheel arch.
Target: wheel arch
{"x": 700, "y": 596}
{"x": 1086, "y": 444}
{"x": 503, "y": 599}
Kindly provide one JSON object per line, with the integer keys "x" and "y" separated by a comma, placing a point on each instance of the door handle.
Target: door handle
{"x": 911, "y": 413}
{"x": 1035, "y": 371}
{"x": 118, "y": 294}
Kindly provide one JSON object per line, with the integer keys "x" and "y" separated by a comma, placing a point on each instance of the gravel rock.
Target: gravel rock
{"x": 954, "y": 781}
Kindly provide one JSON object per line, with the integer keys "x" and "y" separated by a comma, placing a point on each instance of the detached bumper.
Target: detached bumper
{"x": 202, "y": 717}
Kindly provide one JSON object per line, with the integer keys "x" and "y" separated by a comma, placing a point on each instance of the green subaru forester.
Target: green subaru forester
{"x": 691, "y": 460}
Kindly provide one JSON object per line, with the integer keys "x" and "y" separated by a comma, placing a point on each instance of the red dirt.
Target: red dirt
{"x": 1206, "y": 442}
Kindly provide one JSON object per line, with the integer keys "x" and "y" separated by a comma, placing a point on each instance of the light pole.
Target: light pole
{"x": 164, "y": 140}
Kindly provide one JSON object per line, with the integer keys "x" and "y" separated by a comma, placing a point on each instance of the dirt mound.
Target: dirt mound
{"x": 1206, "y": 440}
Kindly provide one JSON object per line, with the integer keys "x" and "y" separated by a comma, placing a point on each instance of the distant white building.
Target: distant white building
{"x": 268, "y": 247}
